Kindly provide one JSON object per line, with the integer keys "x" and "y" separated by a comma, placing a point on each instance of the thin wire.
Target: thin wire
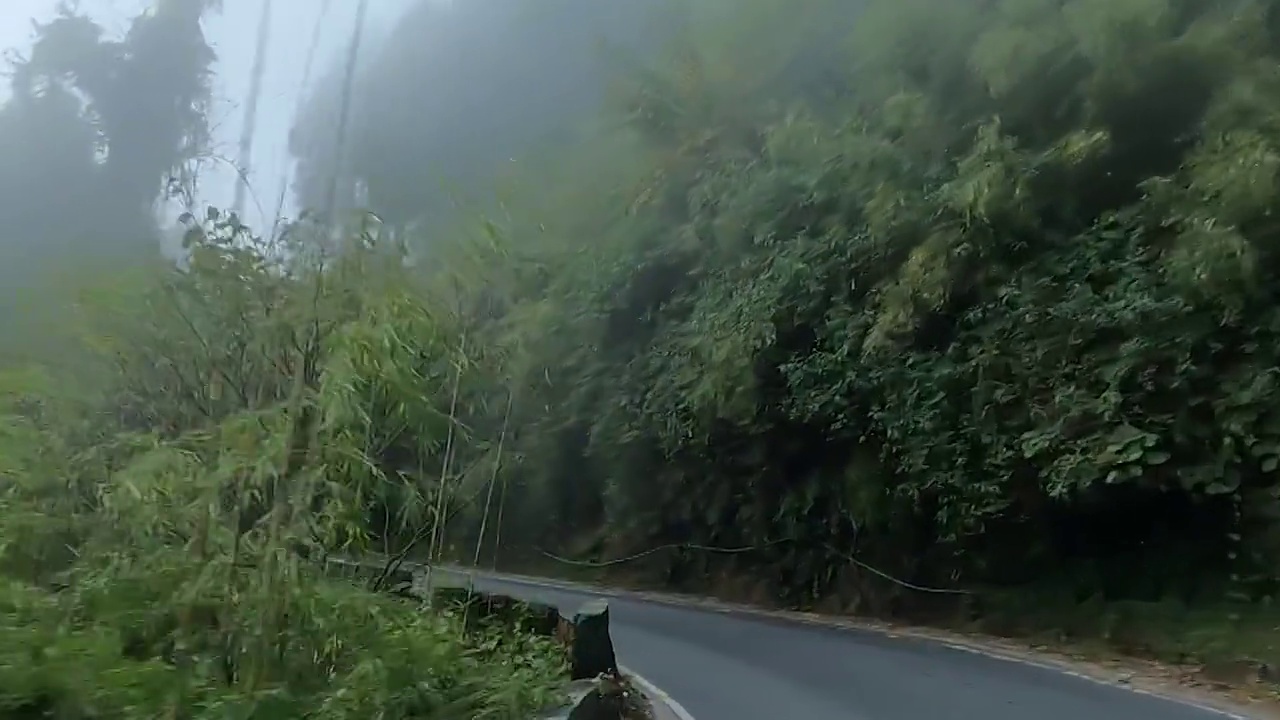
{"x": 749, "y": 548}
{"x": 650, "y": 551}
{"x": 896, "y": 581}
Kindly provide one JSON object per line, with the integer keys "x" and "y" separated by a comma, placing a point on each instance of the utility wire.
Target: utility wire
{"x": 749, "y": 548}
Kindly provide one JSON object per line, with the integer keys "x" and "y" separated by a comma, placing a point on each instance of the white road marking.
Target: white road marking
{"x": 656, "y": 694}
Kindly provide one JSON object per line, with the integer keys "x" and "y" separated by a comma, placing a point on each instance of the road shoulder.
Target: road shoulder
{"x": 664, "y": 706}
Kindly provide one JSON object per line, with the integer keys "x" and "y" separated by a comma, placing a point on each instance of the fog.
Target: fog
{"x": 231, "y": 35}
{"x": 121, "y": 114}
{"x": 965, "y": 295}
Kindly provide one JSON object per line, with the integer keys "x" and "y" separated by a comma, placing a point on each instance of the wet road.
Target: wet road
{"x": 722, "y": 665}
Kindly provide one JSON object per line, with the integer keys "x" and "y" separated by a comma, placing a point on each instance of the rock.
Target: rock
{"x": 608, "y": 697}
{"x": 607, "y": 701}
{"x": 591, "y": 652}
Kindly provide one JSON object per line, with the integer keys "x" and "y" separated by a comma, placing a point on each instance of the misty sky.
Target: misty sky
{"x": 233, "y": 34}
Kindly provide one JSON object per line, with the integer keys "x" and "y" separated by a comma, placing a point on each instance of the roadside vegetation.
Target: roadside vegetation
{"x": 974, "y": 293}
{"x": 163, "y": 518}
{"x": 182, "y": 442}
{"x": 813, "y": 308}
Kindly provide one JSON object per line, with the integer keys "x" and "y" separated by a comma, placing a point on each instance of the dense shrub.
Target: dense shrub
{"x": 977, "y": 291}
{"x": 161, "y": 518}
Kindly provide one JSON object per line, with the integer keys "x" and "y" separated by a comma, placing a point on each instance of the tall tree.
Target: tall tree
{"x": 94, "y": 130}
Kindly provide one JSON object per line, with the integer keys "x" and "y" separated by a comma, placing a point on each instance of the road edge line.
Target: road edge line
{"x": 655, "y": 693}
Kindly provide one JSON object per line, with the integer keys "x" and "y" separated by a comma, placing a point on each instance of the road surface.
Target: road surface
{"x": 737, "y": 666}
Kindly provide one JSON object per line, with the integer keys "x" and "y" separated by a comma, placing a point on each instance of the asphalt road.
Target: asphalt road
{"x": 726, "y": 666}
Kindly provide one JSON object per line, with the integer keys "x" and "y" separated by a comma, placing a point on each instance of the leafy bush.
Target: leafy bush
{"x": 976, "y": 291}
{"x": 160, "y": 534}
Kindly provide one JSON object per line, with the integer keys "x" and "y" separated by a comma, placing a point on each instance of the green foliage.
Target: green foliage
{"x": 976, "y": 291}
{"x": 249, "y": 412}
